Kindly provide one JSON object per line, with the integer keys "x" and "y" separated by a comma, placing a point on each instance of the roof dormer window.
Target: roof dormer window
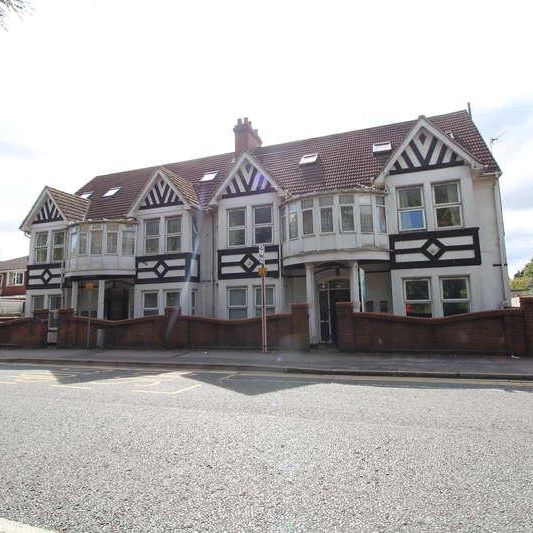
{"x": 86, "y": 195}
{"x": 308, "y": 159}
{"x": 209, "y": 176}
{"x": 111, "y": 192}
{"x": 381, "y": 147}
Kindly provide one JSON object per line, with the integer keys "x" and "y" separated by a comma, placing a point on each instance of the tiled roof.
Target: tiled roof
{"x": 18, "y": 263}
{"x": 72, "y": 206}
{"x": 345, "y": 161}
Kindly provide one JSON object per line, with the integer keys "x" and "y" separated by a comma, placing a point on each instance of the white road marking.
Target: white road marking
{"x": 72, "y": 387}
{"x": 171, "y": 393}
{"x": 8, "y": 526}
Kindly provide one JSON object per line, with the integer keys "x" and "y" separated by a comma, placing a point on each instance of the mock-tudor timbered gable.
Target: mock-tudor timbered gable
{"x": 246, "y": 181}
{"x": 160, "y": 195}
{"x": 425, "y": 152}
{"x": 48, "y": 212}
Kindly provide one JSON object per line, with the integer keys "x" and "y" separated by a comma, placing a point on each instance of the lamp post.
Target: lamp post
{"x": 263, "y": 273}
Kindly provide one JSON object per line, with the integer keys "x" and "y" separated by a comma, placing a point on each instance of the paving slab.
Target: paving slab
{"x": 320, "y": 361}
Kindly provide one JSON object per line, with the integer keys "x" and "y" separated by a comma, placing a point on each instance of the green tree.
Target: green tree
{"x": 523, "y": 279}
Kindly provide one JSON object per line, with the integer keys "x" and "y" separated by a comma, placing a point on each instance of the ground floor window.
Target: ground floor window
{"x": 237, "y": 303}
{"x": 150, "y": 305}
{"x": 37, "y": 302}
{"x": 172, "y": 299}
{"x": 194, "y": 302}
{"x": 269, "y": 300}
{"x": 417, "y": 295}
{"x": 455, "y": 295}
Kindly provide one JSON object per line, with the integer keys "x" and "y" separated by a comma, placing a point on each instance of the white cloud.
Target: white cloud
{"x": 94, "y": 87}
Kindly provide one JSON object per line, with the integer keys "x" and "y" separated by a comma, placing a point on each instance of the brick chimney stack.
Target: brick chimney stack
{"x": 246, "y": 138}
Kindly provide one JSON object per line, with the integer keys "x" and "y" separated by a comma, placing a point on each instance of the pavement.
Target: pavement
{"x": 101, "y": 449}
{"x": 316, "y": 361}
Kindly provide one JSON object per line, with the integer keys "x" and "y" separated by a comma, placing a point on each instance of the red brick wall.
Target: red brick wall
{"x": 25, "y": 332}
{"x": 490, "y": 332}
{"x": 16, "y": 290}
{"x": 286, "y": 331}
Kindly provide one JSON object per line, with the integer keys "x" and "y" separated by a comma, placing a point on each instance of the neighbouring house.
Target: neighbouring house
{"x": 13, "y": 286}
{"x": 404, "y": 218}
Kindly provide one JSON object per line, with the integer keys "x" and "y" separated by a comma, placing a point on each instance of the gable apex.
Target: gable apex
{"x": 246, "y": 178}
{"x": 426, "y": 147}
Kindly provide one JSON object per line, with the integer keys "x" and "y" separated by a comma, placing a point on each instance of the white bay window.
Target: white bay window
{"x": 448, "y": 208}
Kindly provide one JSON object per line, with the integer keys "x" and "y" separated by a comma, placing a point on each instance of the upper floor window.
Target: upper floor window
{"x": 15, "y": 278}
{"x": 262, "y": 224}
{"x": 96, "y": 240}
{"x": 293, "y": 221}
{"x": 82, "y": 245}
{"x": 411, "y": 215}
{"x": 237, "y": 227}
{"x": 128, "y": 241}
{"x": 326, "y": 214}
{"x": 382, "y": 214}
{"x": 194, "y": 234}
{"x": 347, "y": 212}
{"x": 173, "y": 236}
{"x": 448, "y": 212}
{"x": 58, "y": 245}
{"x": 365, "y": 209}
{"x": 151, "y": 236}
{"x": 283, "y": 223}
{"x": 41, "y": 247}
{"x": 111, "y": 239}
{"x": 307, "y": 216}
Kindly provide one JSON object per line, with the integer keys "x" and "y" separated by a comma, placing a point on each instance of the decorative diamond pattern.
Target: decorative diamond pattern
{"x": 160, "y": 269}
{"x": 422, "y": 138}
{"x": 433, "y": 249}
{"x": 46, "y": 276}
{"x": 249, "y": 263}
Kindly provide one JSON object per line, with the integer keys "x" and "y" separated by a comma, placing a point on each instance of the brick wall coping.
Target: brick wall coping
{"x": 15, "y": 321}
{"x": 446, "y": 319}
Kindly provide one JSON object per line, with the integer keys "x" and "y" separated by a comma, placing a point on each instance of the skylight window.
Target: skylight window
{"x": 111, "y": 192}
{"x": 378, "y": 148}
{"x": 209, "y": 176}
{"x": 308, "y": 159}
{"x": 86, "y": 195}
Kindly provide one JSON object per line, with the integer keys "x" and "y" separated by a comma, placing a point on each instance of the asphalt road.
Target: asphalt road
{"x": 100, "y": 449}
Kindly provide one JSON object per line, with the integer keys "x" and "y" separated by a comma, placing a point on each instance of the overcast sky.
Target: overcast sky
{"x": 92, "y": 86}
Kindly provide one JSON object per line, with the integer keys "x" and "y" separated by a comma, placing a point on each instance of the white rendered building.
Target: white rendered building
{"x": 403, "y": 218}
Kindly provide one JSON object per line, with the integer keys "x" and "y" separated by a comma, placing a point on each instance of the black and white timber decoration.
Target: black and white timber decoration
{"x": 48, "y": 213}
{"x": 169, "y": 268}
{"x": 247, "y": 180}
{"x": 429, "y": 249}
{"x": 161, "y": 195}
{"x": 45, "y": 276}
{"x": 425, "y": 152}
{"x": 241, "y": 263}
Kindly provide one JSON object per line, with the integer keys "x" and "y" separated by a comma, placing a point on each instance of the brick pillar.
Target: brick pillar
{"x": 173, "y": 333}
{"x": 65, "y": 330}
{"x": 40, "y": 319}
{"x": 526, "y": 303}
{"x": 345, "y": 340}
{"x": 300, "y": 326}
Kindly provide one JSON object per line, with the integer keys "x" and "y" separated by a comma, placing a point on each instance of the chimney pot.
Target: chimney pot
{"x": 246, "y": 138}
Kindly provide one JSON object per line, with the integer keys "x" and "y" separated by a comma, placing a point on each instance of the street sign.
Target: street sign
{"x": 262, "y": 271}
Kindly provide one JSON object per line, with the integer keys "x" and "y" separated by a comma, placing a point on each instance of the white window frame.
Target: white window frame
{"x": 292, "y": 213}
{"x": 124, "y": 241}
{"x": 177, "y": 234}
{"x": 430, "y": 295}
{"x": 154, "y": 237}
{"x": 325, "y": 207}
{"x": 112, "y": 228}
{"x": 308, "y": 209}
{"x": 257, "y": 306}
{"x": 94, "y": 229}
{"x": 407, "y": 209}
{"x": 172, "y": 291}
{"x": 264, "y": 224}
{"x": 365, "y": 201}
{"x": 144, "y": 308}
{"x": 237, "y": 307}
{"x": 83, "y": 238}
{"x": 58, "y": 247}
{"x": 347, "y": 205}
{"x": 231, "y": 229}
{"x": 44, "y": 247}
{"x": 43, "y": 296}
{"x": 458, "y": 204}
{"x": 467, "y": 300}
{"x": 12, "y": 278}
{"x": 381, "y": 207}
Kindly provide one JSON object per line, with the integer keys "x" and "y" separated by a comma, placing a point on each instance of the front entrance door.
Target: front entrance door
{"x": 329, "y": 293}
